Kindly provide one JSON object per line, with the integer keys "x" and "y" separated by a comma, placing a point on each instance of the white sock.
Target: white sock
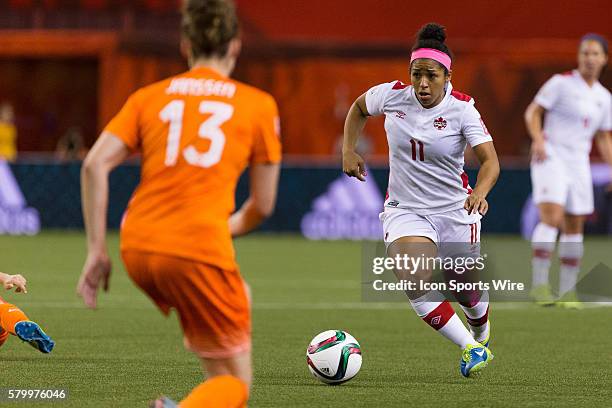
{"x": 436, "y": 311}
{"x": 571, "y": 248}
{"x": 543, "y": 244}
{"x": 455, "y": 331}
{"x": 478, "y": 316}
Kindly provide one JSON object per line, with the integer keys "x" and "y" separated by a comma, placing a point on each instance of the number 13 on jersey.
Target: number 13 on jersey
{"x": 210, "y": 129}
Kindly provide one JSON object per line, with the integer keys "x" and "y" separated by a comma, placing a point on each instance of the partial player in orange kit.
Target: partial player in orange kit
{"x": 14, "y": 321}
{"x": 197, "y": 132}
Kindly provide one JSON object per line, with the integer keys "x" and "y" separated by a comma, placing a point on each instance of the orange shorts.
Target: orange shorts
{"x": 212, "y": 304}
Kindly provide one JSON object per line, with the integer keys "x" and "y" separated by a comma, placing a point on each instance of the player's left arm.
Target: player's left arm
{"x": 13, "y": 281}
{"x": 106, "y": 154}
{"x": 487, "y": 177}
{"x": 264, "y": 170}
{"x": 263, "y": 182}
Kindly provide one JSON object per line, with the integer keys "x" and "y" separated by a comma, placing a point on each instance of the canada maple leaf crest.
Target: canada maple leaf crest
{"x": 439, "y": 123}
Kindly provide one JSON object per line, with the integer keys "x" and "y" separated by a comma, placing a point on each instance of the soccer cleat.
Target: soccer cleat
{"x": 475, "y": 357}
{"x": 570, "y": 301}
{"x": 163, "y": 402}
{"x": 31, "y": 332}
{"x": 542, "y": 295}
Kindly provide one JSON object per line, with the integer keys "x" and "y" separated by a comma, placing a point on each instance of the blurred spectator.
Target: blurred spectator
{"x": 71, "y": 146}
{"x": 8, "y": 132}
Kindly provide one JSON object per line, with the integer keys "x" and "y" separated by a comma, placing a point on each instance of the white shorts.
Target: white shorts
{"x": 452, "y": 227}
{"x": 563, "y": 182}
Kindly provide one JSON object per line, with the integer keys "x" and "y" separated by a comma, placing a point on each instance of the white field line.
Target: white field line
{"x": 294, "y": 305}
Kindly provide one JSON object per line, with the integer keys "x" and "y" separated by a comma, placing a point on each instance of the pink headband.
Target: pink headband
{"x": 430, "y": 53}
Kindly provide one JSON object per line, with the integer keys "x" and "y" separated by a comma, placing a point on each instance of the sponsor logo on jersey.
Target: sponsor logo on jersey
{"x": 439, "y": 123}
{"x": 348, "y": 209}
{"x": 393, "y": 203}
{"x": 400, "y": 114}
{"x": 16, "y": 218}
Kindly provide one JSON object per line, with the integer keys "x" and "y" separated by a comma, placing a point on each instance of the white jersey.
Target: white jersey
{"x": 575, "y": 111}
{"x": 426, "y": 147}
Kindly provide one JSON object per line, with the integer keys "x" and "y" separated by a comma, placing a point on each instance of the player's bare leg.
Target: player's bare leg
{"x": 227, "y": 384}
{"x": 571, "y": 249}
{"x": 543, "y": 243}
{"x": 433, "y": 308}
{"x": 429, "y": 305}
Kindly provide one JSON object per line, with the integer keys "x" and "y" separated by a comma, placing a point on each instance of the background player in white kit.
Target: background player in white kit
{"x": 576, "y": 108}
{"x": 429, "y": 200}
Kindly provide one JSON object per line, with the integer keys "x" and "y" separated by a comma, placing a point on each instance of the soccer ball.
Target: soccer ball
{"x": 334, "y": 357}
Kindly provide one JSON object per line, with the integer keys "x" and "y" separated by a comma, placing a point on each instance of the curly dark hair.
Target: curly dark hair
{"x": 209, "y": 25}
{"x": 432, "y": 35}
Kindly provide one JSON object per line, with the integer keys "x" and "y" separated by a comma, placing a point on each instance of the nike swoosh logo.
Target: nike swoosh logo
{"x": 12, "y": 310}
{"x": 480, "y": 353}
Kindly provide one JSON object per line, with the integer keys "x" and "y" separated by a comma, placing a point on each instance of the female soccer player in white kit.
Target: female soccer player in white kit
{"x": 429, "y": 201}
{"x": 576, "y": 108}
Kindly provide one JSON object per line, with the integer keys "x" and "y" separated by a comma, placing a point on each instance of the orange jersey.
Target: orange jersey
{"x": 197, "y": 133}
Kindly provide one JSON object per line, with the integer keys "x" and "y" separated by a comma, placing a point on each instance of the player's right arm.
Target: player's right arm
{"x": 120, "y": 137}
{"x": 106, "y": 154}
{"x": 545, "y": 99}
{"x": 353, "y": 164}
{"x": 533, "y": 121}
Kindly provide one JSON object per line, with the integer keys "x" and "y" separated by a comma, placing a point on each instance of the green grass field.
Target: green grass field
{"x": 125, "y": 353}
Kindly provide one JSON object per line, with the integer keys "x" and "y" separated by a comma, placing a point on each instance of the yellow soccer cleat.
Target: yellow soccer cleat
{"x": 570, "y": 301}
{"x": 542, "y": 295}
{"x": 474, "y": 358}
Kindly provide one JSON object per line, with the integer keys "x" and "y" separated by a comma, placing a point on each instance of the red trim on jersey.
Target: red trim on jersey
{"x": 387, "y": 195}
{"x": 399, "y": 85}
{"x": 438, "y": 317}
{"x": 567, "y": 73}
{"x": 461, "y": 96}
{"x": 466, "y": 182}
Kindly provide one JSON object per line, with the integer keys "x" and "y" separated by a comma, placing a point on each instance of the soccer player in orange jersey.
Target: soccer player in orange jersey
{"x": 14, "y": 321}
{"x": 197, "y": 132}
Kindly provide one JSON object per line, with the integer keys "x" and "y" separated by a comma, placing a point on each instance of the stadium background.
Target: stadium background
{"x": 67, "y": 64}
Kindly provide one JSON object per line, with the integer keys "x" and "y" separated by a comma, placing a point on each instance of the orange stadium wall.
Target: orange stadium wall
{"x": 315, "y": 93}
{"x": 384, "y": 21}
{"x": 314, "y": 85}
{"x": 84, "y": 77}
